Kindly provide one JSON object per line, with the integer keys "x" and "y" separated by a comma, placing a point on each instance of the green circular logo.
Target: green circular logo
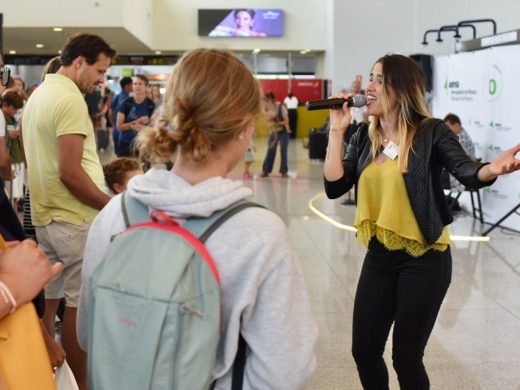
{"x": 494, "y": 82}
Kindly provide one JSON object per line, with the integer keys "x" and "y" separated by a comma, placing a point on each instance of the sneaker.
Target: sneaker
{"x": 285, "y": 175}
{"x": 246, "y": 176}
{"x": 264, "y": 174}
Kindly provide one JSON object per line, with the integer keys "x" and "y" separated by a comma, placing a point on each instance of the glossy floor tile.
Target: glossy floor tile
{"x": 476, "y": 341}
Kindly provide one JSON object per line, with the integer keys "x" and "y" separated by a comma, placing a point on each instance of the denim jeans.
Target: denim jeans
{"x": 406, "y": 291}
{"x": 275, "y": 138}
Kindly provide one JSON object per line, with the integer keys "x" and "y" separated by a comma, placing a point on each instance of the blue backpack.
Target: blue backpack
{"x": 154, "y": 304}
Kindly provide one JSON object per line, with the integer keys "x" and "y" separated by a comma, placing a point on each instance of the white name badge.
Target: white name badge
{"x": 10, "y": 128}
{"x": 391, "y": 150}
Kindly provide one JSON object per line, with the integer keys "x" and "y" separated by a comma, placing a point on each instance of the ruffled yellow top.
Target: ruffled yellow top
{"x": 384, "y": 211}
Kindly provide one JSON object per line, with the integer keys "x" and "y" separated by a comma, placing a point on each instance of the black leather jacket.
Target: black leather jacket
{"x": 435, "y": 146}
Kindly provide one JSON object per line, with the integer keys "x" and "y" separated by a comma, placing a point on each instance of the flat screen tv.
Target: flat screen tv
{"x": 241, "y": 22}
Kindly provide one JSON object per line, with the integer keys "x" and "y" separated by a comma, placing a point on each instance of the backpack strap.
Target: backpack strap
{"x": 133, "y": 210}
{"x": 204, "y": 227}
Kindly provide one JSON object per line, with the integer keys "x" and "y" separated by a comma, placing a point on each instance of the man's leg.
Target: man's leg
{"x": 68, "y": 241}
{"x": 76, "y": 357}
{"x": 49, "y": 316}
{"x": 272, "y": 143}
{"x": 284, "y": 144}
{"x": 54, "y": 290}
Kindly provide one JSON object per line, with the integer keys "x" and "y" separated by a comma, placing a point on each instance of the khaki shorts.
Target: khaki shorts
{"x": 64, "y": 242}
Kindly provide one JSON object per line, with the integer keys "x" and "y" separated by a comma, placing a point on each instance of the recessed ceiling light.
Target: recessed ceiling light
{"x": 57, "y": 29}
{"x": 12, "y": 51}
{"x": 256, "y": 51}
{"x": 59, "y": 51}
{"x": 39, "y": 45}
{"x": 158, "y": 52}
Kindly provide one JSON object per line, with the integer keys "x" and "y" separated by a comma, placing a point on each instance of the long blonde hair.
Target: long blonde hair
{"x": 209, "y": 96}
{"x": 407, "y": 81}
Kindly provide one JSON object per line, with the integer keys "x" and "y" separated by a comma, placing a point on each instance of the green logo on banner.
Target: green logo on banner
{"x": 492, "y": 87}
{"x": 495, "y": 82}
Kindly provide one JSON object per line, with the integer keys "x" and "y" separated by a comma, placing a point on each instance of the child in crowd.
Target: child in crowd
{"x": 248, "y": 160}
{"x": 119, "y": 171}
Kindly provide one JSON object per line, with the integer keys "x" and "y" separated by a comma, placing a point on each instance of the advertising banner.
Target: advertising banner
{"x": 480, "y": 88}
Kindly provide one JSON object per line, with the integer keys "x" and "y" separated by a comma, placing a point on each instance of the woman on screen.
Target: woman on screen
{"x": 244, "y": 21}
{"x": 244, "y": 26}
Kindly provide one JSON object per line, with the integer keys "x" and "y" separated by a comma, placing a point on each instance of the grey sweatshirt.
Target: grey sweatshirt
{"x": 262, "y": 281}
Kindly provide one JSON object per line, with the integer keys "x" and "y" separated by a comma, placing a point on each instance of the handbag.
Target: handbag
{"x": 24, "y": 360}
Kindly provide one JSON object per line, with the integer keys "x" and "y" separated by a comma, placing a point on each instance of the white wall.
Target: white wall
{"x": 62, "y": 13}
{"x": 138, "y": 19}
{"x": 365, "y": 31}
{"x": 433, "y": 14}
{"x": 175, "y": 25}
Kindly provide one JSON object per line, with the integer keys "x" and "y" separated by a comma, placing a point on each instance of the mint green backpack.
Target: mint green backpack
{"x": 154, "y": 305}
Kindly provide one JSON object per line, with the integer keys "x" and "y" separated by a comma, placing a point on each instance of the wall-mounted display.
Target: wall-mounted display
{"x": 241, "y": 22}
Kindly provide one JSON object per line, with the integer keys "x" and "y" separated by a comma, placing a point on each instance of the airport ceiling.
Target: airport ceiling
{"x": 23, "y": 40}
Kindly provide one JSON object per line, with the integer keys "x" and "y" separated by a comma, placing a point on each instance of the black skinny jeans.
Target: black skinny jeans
{"x": 397, "y": 288}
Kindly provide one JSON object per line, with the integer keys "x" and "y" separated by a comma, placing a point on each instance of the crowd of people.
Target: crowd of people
{"x": 71, "y": 210}
{"x": 206, "y": 124}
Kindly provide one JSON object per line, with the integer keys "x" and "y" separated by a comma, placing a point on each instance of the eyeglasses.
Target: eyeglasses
{"x": 5, "y": 74}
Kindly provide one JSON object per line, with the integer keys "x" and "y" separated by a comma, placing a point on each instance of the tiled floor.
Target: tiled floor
{"x": 476, "y": 341}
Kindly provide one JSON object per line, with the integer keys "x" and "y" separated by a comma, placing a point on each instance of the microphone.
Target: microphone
{"x": 328, "y": 104}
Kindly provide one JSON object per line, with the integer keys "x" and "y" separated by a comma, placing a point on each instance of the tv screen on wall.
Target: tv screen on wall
{"x": 241, "y": 22}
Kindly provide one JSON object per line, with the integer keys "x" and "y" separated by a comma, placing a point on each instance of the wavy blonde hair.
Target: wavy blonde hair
{"x": 406, "y": 80}
{"x": 209, "y": 98}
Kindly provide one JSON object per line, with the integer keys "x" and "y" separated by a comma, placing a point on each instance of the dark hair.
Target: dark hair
{"x": 250, "y": 11}
{"x": 116, "y": 170}
{"x": 12, "y": 79}
{"x": 143, "y": 78}
{"x": 87, "y": 45}
{"x": 270, "y": 96}
{"x": 453, "y": 119}
{"x": 125, "y": 81}
{"x": 10, "y": 97}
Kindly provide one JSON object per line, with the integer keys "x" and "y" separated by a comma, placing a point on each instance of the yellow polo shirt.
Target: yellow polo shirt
{"x": 57, "y": 108}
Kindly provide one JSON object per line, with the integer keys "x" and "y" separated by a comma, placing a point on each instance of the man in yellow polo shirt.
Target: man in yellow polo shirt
{"x": 65, "y": 176}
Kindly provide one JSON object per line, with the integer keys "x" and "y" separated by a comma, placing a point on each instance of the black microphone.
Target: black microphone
{"x": 328, "y": 104}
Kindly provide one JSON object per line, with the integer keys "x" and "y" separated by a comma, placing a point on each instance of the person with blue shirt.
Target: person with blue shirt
{"x": 132, "y": 115}
{"x": 126, "y": 89}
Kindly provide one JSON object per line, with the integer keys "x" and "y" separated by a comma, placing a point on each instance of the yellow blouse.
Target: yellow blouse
{"x": 384, "y": 211}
